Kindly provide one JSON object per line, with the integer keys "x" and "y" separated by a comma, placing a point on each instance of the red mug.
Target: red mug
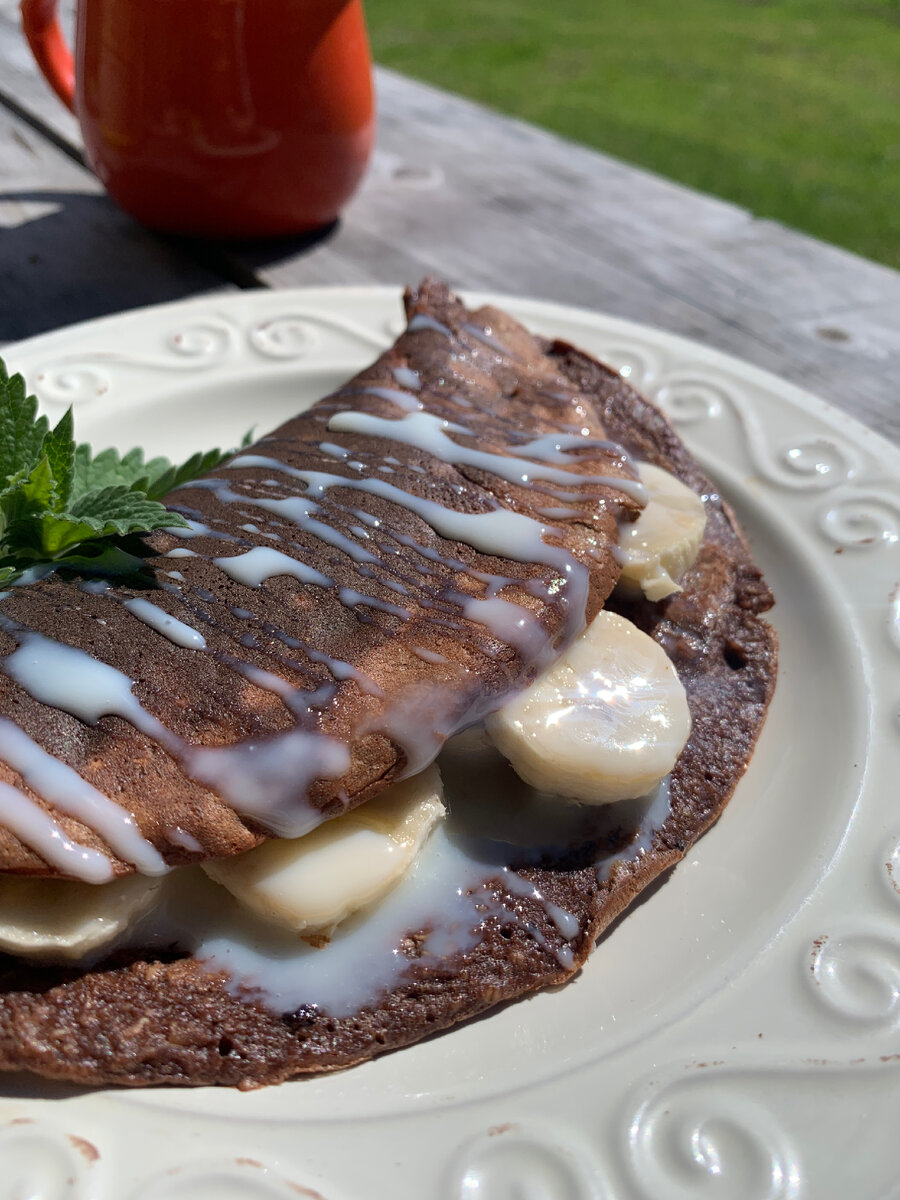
{"x": 218, "y": 118}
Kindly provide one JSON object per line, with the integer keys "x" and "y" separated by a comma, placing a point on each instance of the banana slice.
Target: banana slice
{"x": 604, "y": 723}
{"x": 663, "y": 542}
{"x": 62, "y": 920}
{"x": 310, "y": 884}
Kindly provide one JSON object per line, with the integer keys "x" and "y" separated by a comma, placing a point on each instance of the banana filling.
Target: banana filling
{"x": 603, "y": 724}
{"x": 311, "y": 884}
{"x": 658, "y": 548}
{"x": 64, "y": 920}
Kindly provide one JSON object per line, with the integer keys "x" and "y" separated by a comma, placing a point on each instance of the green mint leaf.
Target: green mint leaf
{"x": 119, "y": 510}
{"x": 173, "y": 477}
{"x": 59, "y": 447}
{"x": 60, "y": 506}
{"x": 108, "y": 469}
{"x": 155, "y": 478}
{"x": 22, "y": 431}
{"x": 107, "y": 512}
{"x": 54, "y": 533}
{"x": 102, "y": 558}
{"x": 13, "y": 483}
{"x": 32, "y": 494}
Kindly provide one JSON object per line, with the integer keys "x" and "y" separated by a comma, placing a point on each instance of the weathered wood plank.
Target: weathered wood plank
{"x": 21, "y": 81}
{"x": 66, "y": 253}
{"x": 492, "y": 203}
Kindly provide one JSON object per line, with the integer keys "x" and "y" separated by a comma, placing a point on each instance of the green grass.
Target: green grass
{"x": 788, "y": 107}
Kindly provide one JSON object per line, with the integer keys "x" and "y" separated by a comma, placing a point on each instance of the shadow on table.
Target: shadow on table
{"x": 240, "y": 261}
{"x": 74, "y": 256}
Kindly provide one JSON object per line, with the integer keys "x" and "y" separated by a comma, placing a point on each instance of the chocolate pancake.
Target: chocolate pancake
{"x": 157, "y": 1015}
{"x": 336, "y": 579}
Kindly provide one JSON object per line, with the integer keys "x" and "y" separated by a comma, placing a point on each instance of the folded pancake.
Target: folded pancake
{"x": 401, "y": 621}
{"x": 344, "y": 601}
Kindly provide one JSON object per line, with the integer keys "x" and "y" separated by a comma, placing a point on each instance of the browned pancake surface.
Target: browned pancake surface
{"x": 168, "y": 1022}
{"x": 291, "y": 629}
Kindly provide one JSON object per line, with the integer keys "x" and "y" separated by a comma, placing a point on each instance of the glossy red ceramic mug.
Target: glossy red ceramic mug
{"x": 221, "y": 118}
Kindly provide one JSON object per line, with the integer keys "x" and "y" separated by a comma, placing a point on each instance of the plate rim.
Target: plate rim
{"x": 388, "y": 293}
{"x": 580, "y": 1179}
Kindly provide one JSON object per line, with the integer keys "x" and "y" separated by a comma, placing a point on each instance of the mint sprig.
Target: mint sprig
{"x": 60, "y": 506}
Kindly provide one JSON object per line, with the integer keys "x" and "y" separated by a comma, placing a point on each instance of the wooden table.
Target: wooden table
{"x": 493, "y": 204}
{"x": 487, "y": 202}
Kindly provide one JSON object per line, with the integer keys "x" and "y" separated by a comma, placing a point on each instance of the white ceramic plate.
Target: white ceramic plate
{"x": 738, "y": 1035}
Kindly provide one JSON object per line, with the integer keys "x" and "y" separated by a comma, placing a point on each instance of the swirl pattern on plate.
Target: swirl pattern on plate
{"x": 240, "y": 1179}
{"x": 709, "y": 1138}
{"x": 512, "y": 1161}
{"x": 40, "y": 1162}
{"x": 72, "y": 381}
{"x": 294, "y": 333}
{"x": 857, "y": 977}
{"x": 690, "y": 400}
{"x": 716, "y": 1142}
{"x": 282, "y": 337}
{"x": 204, "y": 344}
{"x": 862, "y": 520}
{"x": 814, "y": 464}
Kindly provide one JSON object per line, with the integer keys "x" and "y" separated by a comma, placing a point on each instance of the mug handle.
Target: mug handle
{"x": 44, "y": 34}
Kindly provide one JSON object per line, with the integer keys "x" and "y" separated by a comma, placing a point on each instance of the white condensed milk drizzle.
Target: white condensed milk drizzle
{"x": 500, "y": 531}
{"x": 265, "y": 562}
{"x": 176, "y": 631}
{"x": 68, "y": 678}
{"x": 267, "y": 779}
{"x": 475, "y": 872}
{"x": 65, "y": 788}
{"x": 431, "y": 433}
{"x": 39, "y": 831}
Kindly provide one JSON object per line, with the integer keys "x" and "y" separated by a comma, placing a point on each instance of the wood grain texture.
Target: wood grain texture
{"x": 66, "y": 253}
{"x": 22, "y": 82}
{"x": 493, "y": 203}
